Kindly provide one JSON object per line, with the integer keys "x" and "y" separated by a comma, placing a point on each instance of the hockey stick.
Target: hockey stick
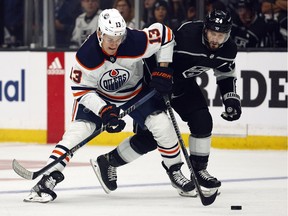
{"x": 206, "y": 200}
{"x": 24, "y": 173}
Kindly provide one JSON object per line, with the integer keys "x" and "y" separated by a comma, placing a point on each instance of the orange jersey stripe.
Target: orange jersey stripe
{"x": 169, "y": 34}
{"x": 57, "y": 152}
{"x": 60, "y": 154}
{"x": 121, "y": 97}
{"x": 80, "y": 93}
{"x": 169, "y": 151}
{"x": 67, "y": 159}
{"x": 75, "y": 108}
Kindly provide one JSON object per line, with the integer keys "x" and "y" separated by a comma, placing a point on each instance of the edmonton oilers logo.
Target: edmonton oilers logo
{"x": 114, "y": 79}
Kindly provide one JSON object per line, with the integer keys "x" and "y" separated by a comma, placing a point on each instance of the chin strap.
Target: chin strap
{"x": 100, "y": 37}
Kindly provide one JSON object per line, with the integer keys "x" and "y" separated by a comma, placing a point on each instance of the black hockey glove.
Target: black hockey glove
{"x": 161, "y": 80}
{"x": 109, "y": 115}
{"x": 232, "y": 105}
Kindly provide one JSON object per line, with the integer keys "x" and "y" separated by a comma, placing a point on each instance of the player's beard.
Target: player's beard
{"x": 214, "y": 45}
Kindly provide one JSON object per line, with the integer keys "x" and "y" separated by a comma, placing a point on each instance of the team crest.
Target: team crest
{"x": 195, "y": 71}
{"x": 114, "y": 79}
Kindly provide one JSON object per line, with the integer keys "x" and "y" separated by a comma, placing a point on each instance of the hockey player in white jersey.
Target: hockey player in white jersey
{"x": 86, "y": 23}
{"x": 105, "y": 79}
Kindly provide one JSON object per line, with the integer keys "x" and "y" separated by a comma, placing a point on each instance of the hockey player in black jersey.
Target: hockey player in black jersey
{"x": 200, "y": 46}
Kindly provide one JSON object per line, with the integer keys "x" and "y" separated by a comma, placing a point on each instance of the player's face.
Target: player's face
{"x": 215, "y": 39}
{"x": 110, "y": 44}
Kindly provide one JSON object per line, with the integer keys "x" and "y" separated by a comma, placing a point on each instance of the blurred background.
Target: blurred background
{"x": 64, "y": 24}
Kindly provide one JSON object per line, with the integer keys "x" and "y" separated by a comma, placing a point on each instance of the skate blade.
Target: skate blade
{"x": 33, "y": 197}
{"x": 98, "y": 174}
{"x": 210, "y": 191}
{"x": 192, "y": 193}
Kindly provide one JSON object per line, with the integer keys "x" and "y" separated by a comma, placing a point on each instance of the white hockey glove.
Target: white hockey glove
{"x": 232, "y": 105}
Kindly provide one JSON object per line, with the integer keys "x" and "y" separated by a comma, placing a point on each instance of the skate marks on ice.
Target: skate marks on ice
{"x": 249, "y": 179}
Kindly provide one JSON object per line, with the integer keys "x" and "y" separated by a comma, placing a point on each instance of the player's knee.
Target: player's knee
{"x": 201, "y": 123}
{"x": 162, "y": 129}
{"x": 77, "y": 131}
{"x": 143, "y": 143}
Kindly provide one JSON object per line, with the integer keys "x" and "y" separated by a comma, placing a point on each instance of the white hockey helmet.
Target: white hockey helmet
{"x": 111, "y": 23}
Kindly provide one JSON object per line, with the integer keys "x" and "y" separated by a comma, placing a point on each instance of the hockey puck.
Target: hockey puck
{"x": 236, "y": 207}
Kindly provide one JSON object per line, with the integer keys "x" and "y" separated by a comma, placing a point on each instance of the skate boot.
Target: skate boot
{"x": 184, "y": 186}
{"x": 202, "y": 175}
{"x": 43, "y": 192}
{"x": 105, "y": 172}
{"x": 208, "y": 182}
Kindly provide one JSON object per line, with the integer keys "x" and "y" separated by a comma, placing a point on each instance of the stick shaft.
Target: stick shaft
{"x": 21, "y": 171}
{"x": 206, "y": 200}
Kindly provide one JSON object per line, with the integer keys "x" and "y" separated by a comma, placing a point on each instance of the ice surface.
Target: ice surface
{"x": 256, "y": 180}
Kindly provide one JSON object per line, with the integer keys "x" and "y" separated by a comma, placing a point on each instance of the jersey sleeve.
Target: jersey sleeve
{"x": 225, "y": 73}
{"x": 226, "y": 77}
{"x": 225, "y": 70}
{"x": 83, "y": 93}
{"x": 160, "y": 42}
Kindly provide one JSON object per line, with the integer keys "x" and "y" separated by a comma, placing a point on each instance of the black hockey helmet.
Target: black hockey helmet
{"x": 219, "y": 21}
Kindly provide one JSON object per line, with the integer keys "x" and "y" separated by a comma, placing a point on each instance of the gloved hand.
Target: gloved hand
{"x": 109, "y": 115}
{"x": 232, "y": 105}
{"x": 161, "y": 80}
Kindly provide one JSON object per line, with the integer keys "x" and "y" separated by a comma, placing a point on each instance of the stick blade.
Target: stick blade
{"x": 208, "y": 200}
{"x": 21, "y": 171}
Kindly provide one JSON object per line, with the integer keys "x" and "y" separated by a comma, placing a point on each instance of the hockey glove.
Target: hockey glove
{"x": 109, "y": 115}
{"x": 161, "y": 80}
{"x": 232, "y": 105}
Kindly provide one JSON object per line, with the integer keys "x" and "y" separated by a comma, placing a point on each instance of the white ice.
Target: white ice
{"x": 256, "y": 180}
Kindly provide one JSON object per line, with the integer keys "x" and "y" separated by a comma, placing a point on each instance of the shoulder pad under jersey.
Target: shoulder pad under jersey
{"x": 134, "y": 45}
{"x": 90, "y": 54}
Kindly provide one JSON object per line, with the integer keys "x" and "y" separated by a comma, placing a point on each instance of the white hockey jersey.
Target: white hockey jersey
{"x": 83, "y": 28}
{"x": 97, "y": 78}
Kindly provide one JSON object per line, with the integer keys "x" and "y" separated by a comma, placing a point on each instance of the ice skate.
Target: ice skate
{"x": 208, "y": 183}
{"x": 184, "y": 186}
{"x": 43, "y": 192}
{"x": 105, "y": 172}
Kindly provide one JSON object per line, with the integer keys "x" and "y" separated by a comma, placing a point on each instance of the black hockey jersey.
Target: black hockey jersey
{"x": 192, "y": 57}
